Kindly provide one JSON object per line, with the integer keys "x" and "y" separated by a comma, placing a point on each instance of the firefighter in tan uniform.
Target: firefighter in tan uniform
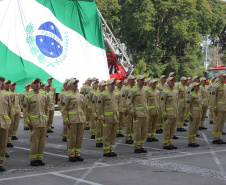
{"x": 218, "y": 104}
{"x": 210, "y": 92}
{"x": 128, "y": 115}
{"x": 22, "y": 96}
{"x": 182, "y": 96}
{"x": 99, "y": 122}
{"x": 93, "y": 111}
{"x": 16, "y": 111}
{"x": 36, "y": 116}
{"x": 153, "y": 110}
{"x": 5, "y": 122}
{"x": 118, "y": 91}
{"x": 194, "y": 108}
{"x": 160, "y": 87}
{"x": 52, "y": 87}
{"x": 137, "y": 105}
{"x": 73, "y": 115}
{"x": 169, "y": 107}
{"x": 205, "y": 101}
{"x": 11, "y": 98}
{"x": 61, "y": 102}
{"x": 108, "y": 112}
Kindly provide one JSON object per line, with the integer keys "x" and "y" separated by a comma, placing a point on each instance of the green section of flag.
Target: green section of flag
{"x": 18, "y": 70}
{"x": 79, "y": 15}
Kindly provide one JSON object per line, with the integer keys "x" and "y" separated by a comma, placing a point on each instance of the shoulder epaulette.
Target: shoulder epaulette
{"x": 193, "y": 94}
{"x": 105, "y": 93}
{"x": 135, "y": 89}
{"x": 30, "y": 94}
{"x": 166, "y": 90}
{"x": 217, "y": 85}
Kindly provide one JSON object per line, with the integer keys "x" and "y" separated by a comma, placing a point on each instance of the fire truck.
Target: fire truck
{"x": 213, "y": 72}
{"x": 119, "y": 61}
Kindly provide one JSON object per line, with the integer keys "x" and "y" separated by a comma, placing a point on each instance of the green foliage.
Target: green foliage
{"x": 141, "y": 68}
{"x": 223, "y": 58}
{"x": 166, "y": 34}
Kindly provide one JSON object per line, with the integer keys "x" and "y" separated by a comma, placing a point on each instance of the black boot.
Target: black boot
{"x": 72, "y": 159}
{"x": 2, "y": 169}
{"x": 40, "y": 162}
{"x": 108, "y": 154}
{"x": 6, "y": 155}
{"x": 137, "y": 151}
{"x": 92, "y": 137}
{"x": 79, "y": 158}
{"x": 149, "y": 139}
{"x": 99, "y": 145}
{"x": 34, "y": 163}
{"x": 9, "y": 145}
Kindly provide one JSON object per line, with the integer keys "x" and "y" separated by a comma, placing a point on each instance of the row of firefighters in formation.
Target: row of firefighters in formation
{"x": 142, "y": 105}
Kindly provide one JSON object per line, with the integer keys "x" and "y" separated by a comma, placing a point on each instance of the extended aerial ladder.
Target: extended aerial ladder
{"x": 116, "y": 52}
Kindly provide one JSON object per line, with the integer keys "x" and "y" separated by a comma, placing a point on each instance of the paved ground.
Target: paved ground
{"x": 204, "y": 165}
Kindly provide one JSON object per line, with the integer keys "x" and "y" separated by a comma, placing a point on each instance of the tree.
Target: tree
{"x": 141, "y": 68}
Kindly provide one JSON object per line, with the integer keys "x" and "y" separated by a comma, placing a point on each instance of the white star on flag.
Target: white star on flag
{"x": 51, "y": 53}
{"x": 52, "y": 43}
{"x": 52, "y": 27}
{"x": 58, "y": 46}
{"x": 41, "y": 40}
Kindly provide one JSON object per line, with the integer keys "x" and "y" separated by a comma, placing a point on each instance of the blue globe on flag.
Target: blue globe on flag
{"x": 49, "y": 40}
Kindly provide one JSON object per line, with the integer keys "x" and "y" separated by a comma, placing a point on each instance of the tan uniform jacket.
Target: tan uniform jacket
{"x": 182, "y": 95}
{"x": 5, "y": 110}
{"x": 73, "y": 110}
{"x": 36, "y": 109}
{"x": 205, "y": 95}
{"x": 51, "y": 100}
{"x": 169, "y": 103}
{"x": 125, "y": 92}
{"x": 218, "y": 97}
{"x": 107, "y": 107}
{"x": 119, "y": 93}
{"x": 137, "y": 100}
{"x": 195, "y": 104}
{"x": 153, "y": 101}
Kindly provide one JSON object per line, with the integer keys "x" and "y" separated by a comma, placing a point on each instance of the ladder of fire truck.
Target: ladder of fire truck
{"x": 117, "y": 48}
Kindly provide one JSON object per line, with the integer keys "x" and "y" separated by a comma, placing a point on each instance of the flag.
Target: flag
{"x": 51, "y": 38}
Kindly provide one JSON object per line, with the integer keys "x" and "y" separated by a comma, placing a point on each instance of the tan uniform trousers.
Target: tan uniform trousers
{"x": 99, "y": 131}
{"x": 75, "y": 139}
{"x": 152, "y": 120}
{"x": 128, "y": 127}
{"x": 193, "y": 129}
{"x": 109, "y": 134}
{"x": 218, "y": 125}
{"x": 37, "y": 143}
{"x": 10, "y": 131}
{"x": 3, "y": 143}
{"x": 65, "y": 131}
{"x": 87, "y": 118}
{"x": 168, "y": 131}
{"x": 16, "y": 124}
{"x": 181, "y": 117}
{"x": 120, "y": 123}
{"x": 92, "y": 124}
{"x": 159, "y": 123}
{"x": 51, "y": 115}
{"x": 140, "y": 131}
{"x": 211, "y": 114}
{"x": 204, "y": 111}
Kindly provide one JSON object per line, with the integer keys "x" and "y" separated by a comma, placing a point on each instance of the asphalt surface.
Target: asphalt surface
{"x": 203, "y": 165}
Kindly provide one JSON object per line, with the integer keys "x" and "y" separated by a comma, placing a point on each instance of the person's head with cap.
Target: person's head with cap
{"x": 12, "y": 86}
{"x": 73, "y": 84}
{"x": 27, "y": 87}
{"x": 119, "y": 84}
{"x": 222, "y": 77}
{"x": 111, "y": 84}
{"x": 50, "y": 80}
{"x": 7, "y": 84}
{"x": 89, "y": 81}
{"x": 131, "y": 80}
{"x": 195, "y": 86}
{"x": 94, "y": 79}
{"x": 95, "y": 83}
{"x": 47, "y": 87}
{"x": 183, "y": 80}
{"x": 102, "y": 85}
{"x": 163, "y": 79}
{"x": 153, "y": 83}
{"x": 2, "y": 79}
{"x": 65, "y": 84}
{"x": 35, "y": 84}
{"x": 146, "y": 81}
{"x": 140, "y": 80}
{"x": 203, "y": 81}
{"x": 125, "y": 82}
{"x": 196, "y": 79}
{"x": 173, "y": 74}
{"x": 171, "y": 82}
